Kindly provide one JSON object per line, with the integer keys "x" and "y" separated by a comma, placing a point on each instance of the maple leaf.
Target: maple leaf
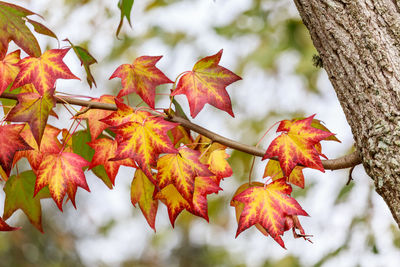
{"x": 12, "y": 27}
{"x": 296, "y": 145}
{"x": 86, "y": 60}
{"x": 142, "y": 190}
{"x": 174, "y": 201}
{"x": 4, "y": 227}
{"x": 124, "y": 114}
{"x": 10, "y": 143}
{"x": 125, "y": 6}
{"x": 141, "y": 77}
{"x": 144, "y": 140}
{"x": 273, "y": 170}
{"x": 94, "y": 116}
{"x": 218, "y": 164}
{"x": 286, "y": 124}
{"x": 206, "y": 84}
{"x": 43, "y": 71}
{"x": 19, "y": 191}
{"x": 63, "y": 173}
{"x": 34, "y": 109}
{"x": 106, "y": 149}
{"x": 268, "y": 205}
{"x": 240, "y": 206}
{"x": 181, "y": 169}
{"x": 203, "y": 186}
{"x": 181, "y": 135}
{"x": 50, "y": 144}
{"x": 9, "y": 69}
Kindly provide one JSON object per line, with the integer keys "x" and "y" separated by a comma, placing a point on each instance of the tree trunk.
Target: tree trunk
{"x": 359, "y": 44}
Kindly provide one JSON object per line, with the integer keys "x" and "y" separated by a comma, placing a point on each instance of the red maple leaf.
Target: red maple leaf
{"x": 9, "y": 69}
{"x": 181, "y": 169}
{"x": 141, "y": 77}
{"x": 144, "y": 140}
{"x": 50, "y": 144}
{"x": 296, "y": 145}
{"x": 203, "y": 186}
{"x": 206, "y": 84}
{"x": 268, "y": 206}
{"x": 123, "y": 114}
{"x": 106, "y": 149}
{"x": 63, "y": 173}
{"x": 43, "y": 71}
{"x": 174, "y": 201}
{"x": 94, "y": 116}
{"x": 10, "y": 143}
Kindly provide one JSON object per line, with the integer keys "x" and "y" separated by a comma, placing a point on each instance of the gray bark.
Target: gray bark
{"x": 359, "y": 44}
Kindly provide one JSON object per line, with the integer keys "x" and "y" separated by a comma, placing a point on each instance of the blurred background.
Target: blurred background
{"x": 264, "y": 42}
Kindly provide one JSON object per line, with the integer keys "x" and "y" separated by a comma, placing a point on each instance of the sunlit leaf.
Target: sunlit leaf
{"x": 203, "y": 186}
{"x": 63, "y": 173}
{"x": 296, "y": 145}
{"x": 43, "y": 71}
{"x": 144, "y": 140}
{"x": 268, "y": 205}
{"x": 9, "y": 69}
{"x": 273, "y": 170}
{"x": 94, "y": 116}
{"x": 206, "y": 84}
{"x": 181, "y": 169}
{"x": 10, "y": 143}
{"x": 105, "y": 149}
{"x": 142, "y": 77}
{"x": 142, "y": 190}
{"x": 174, "y": 201}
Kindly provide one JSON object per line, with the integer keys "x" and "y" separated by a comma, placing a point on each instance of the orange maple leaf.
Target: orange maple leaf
{"x": 203, "y": 186}
{"x": 142, "y": 191}
{"x": 144, "y": 140}
{"x": 63, "y": 173}
{"x": 34, "y": 109}
{"x": 273, "y": 170}
{"x": 43, "y": 71}
{"x": 181, "y": 169}
{"x": 50, "y": 144}
{"x": 94, "y": 116}
{"x": 9, "y": 69}
{"x": 141, "y": 77}
{"x": 206, "y": 84}
{"x": 296, "y": 145}
{"x": 10, "y": 143}
{"x": 218, "y": 165}
{"x": 123, "y": 114}
{"x": 106, "y": 149}
{"x": 269, "y": 206}
{"x": 174, "y": 201}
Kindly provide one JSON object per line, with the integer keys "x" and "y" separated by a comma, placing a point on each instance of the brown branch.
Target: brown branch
{"x": 343, "y": 162}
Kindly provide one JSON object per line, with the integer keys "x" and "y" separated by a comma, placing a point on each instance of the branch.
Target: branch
{"x": 343, "y": 162}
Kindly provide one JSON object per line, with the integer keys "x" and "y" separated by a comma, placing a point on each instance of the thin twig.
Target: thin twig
{"x": 343, "y": 162}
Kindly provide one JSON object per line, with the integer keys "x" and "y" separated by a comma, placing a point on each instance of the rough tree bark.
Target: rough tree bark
{"x": 359, "y": 44}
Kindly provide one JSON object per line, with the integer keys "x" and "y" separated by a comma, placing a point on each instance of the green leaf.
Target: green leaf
{"x": 19, "y": 195}
{"x": 86, "y": 60}
{"x": 13, "y": 28}
{"x": 125, "y": 6}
